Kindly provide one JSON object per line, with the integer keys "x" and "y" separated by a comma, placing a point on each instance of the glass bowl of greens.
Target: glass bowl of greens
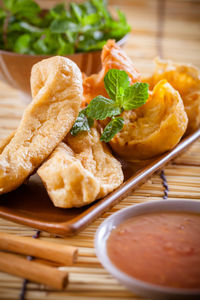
{"x": 78, "y": 31}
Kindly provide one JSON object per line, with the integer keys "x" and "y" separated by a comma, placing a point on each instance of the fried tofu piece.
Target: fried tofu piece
{"x": 57, "y": 94}
{"x": 185, "y": 78}
{"x": 97, "y": 158}
{"x": 81, "y": 172}
{"x": 67, "y": 182}
{"x": 112, "y": 57}
{"x": 153, "y": 128}
{"x": 4, "y": 142}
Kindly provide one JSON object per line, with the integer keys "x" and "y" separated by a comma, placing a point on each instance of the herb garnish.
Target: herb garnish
{"x": 123, "y": 96}
{"x": 25, "y": 28}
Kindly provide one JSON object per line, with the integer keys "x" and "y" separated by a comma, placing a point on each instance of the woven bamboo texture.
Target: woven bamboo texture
{"x": 168, "y": 28}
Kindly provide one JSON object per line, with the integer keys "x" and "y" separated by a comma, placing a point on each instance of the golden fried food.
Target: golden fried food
{"x": 67, "y": 182}
{"x": 79, "y": 177}
{"x": 153, "y": 128}
{"x": 96, "y": 157}
{"x": 185, "y": 78}
{"x": 5, "y": 141}
{"x": 57, "y": 94}
{"x": 113, "y": 57}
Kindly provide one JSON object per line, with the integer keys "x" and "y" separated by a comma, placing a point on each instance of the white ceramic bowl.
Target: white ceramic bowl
{"x": 137, "y": 286}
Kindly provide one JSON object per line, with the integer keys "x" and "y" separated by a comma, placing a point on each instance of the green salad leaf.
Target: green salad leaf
{"x": 82, "y": 27}
{"x": 123, "y": 96}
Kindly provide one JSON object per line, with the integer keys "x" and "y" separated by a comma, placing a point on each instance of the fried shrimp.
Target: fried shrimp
{"x": 113, "y": 57}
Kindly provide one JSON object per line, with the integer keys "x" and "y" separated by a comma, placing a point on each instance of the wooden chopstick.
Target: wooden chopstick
{"x": 60, "y": 253}
{"x": 34, "y": 271}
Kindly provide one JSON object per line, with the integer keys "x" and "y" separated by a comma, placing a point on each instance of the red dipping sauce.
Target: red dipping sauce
{"x": 159, "y": 248}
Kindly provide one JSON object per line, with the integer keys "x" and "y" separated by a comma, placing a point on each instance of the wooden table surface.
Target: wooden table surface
{"x": 169, "y": 28}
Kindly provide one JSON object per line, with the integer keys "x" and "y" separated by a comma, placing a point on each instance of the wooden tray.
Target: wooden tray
{"x": 30, "y": 204}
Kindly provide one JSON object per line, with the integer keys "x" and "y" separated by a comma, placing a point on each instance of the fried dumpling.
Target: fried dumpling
{"x": 185, "y": 78}
{"x": 153, "y": 128}
{"x": 112, "y": 57}
{"x": 81, "y": 172}
{"x": 57, "y": 94}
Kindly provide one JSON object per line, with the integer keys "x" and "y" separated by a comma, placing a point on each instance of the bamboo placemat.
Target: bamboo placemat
{"x": 169, "y": 28}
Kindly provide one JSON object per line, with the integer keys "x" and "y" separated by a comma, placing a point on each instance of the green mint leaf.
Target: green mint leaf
{"x": 88, "y": 7}
{"x": 76, "y": 11}
{"x": 116, "y": 81}
{"x": 90, "y": 45}
{"x": 22, "y": 44}
{"x": 121, "y": 16}
{"x": 82, "y": 123}
{"x": 61, "y": 26}
{"x": 58, "y": 11}
{"x": 51, "y": 41}
{"x": 23, "y": 8}
{"x": 86, "y": 26}
{"x": 91, "y": 19}
{"x": 2, "y": 13}
{"x": 8, "y": 4}
{"x": 113, "y": 127}
{"x": 24, "y": 27}
{"x": 41, "y": 47}
{"x": 101, "y": 108}
{"x": 66, "y": 49}
{"x": 101, "y": 8}
{"x": 135, "y": 96}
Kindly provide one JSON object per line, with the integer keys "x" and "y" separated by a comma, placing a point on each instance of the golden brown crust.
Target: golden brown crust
{"x": 4, "y": 142}
{"x": 80, "y": 172}
{"x": 57, "y": 90}
{"x": 67, "y": 182}
{"x": 185, "y": 78}
{"x": 154, "y": 128}
{"x": 96, "y": 157}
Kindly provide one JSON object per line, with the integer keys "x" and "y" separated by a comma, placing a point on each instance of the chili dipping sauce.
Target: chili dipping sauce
{"x": 159, "y": 248}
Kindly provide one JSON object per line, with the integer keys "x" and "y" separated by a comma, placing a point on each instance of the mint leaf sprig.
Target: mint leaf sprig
{"x": 123, "y": 96}
{"x": 26, "y": 28}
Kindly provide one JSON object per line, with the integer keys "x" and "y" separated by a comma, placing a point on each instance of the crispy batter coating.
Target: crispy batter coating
{"x": 113, "y": 57}
{"x": 154, "y": 128}
{"x": 185, "y": 78}
{"x": 57, "y": 94}
{"x": 79, "y": 177}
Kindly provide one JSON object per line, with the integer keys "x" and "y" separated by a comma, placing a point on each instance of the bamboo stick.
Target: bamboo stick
{"x": 60, "y": 253}
{"x": 34, "y": 271}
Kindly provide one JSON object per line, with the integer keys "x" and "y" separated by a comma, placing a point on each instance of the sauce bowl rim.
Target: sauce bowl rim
{"x": 135, "y": 285}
